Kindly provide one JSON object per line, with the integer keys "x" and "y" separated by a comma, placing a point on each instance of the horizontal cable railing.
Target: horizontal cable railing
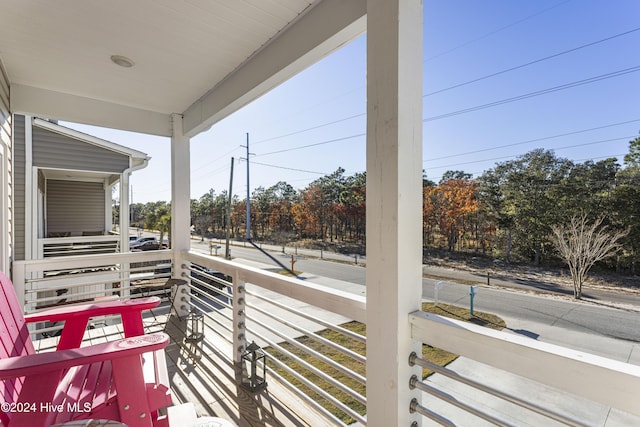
{"x": 333, "y": 300}
{"x": 276, "y": 312}
{"x": 312, "y": 385}
{"x": 523, "y": 403}
{"x": 292, "y": 388}
{"x": 309, "y": 362}
{"x": 314, "y": 319}
{"x": 601, "y": 380}
{"x": 316, "y": 355}
{"x": 414, "y": 382}
{"x": 212, "y": 296}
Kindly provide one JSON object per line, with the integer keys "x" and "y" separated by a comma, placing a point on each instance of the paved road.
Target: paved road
{"x": 498, "y": 278}
{"x": 599, "y": 317}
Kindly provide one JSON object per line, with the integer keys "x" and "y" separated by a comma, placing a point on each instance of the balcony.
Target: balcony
{"x": 168, "y": 94}
{"x": 275, "y": 311}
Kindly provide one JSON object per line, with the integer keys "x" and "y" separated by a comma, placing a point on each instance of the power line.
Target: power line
{"x": 454, "y": 155}
{"x": 216, "y": 159}
{"x": 477, "y": 174}
{"x": 311, "y": 128}
{"x": 531, "y": 62}
{"x": 507, "y": 157}
{"x": 532, "y": 140}
{"x": 479, "y": 107}
{"x": 297, "y": 132}
{"x": 536, "y": 93}
{"x": 312, "y": 145}
{"x": 484, "y": 36}
{"x": 211, "y": 173}
{"x": 291, "y": 169}
{"x": 460, "y": 84}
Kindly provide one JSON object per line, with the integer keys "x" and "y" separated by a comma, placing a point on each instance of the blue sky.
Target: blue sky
{"x": 465, "y": 41}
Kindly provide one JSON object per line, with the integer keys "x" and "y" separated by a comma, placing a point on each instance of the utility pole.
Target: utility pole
{"x": 227, "y": 250}
{"x": 248, "y": 191}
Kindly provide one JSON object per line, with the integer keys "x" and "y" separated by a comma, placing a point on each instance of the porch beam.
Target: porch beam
{"x": 180, "y": 194}
{"x": 394, "y": 205}
{"x": 50, "y": 104}
{"x": 323, "y": 29}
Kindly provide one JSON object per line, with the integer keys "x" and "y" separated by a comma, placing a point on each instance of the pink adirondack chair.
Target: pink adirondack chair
{"x": 103, "y": 381}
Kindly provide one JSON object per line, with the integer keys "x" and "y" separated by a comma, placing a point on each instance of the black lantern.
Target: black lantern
{"x": 195, "y": 327}
{"x": 251, "y": 357}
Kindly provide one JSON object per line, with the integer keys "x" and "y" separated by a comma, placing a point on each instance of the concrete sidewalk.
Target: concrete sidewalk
{"x": 326, "y": 254}
{"x": 591, "y": 413}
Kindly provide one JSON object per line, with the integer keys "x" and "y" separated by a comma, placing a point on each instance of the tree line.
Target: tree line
{"x": 508, "y": 212}
{"x": 330, "y": 208}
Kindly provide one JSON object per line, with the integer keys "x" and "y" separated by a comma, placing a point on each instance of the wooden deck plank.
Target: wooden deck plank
{"x": 208, "y": 378}
{"x": 204, "y": 374}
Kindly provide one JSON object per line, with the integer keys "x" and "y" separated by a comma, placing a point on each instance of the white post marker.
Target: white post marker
{"x": 473, "y": 290}
{"x": 436, "y": 287}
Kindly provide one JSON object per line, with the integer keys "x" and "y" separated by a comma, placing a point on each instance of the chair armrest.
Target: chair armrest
{"x": 38, "y": 364}
{"x": 77, "y": 317}
{"x": 94, "y": 309}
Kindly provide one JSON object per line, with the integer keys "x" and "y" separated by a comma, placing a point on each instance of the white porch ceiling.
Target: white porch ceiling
{"x": 201, "y": 58}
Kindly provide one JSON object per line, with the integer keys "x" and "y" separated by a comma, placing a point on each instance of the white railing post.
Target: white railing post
{"x": 181, "y": 296}
{"x": 180, "y": 199}
{"x": 239, "y": 318}
{"x": 394, "y": 206}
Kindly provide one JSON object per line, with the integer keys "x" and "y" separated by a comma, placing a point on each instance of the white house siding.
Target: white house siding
{"x": 18, "y": 189}
{"x": 6, "y": 231}
{"x": 75, "y": 207}
{"x": 80, "y": 207}
{"x": 57, "y": 151}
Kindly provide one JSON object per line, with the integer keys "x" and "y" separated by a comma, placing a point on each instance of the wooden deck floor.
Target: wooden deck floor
{"x": 204, "y": 374}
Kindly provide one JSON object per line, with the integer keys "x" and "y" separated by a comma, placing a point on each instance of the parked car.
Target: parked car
{"x": 149, "y": 245}
{"x": 139, "y": 241}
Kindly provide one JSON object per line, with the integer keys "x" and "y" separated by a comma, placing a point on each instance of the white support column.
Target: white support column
{"x": 394, "y": 205}
{"x": 108, "y": 206}
{"x": 125, "y": 273}
{"x": 180, "y": 193}
{"x": 125, "y": 210}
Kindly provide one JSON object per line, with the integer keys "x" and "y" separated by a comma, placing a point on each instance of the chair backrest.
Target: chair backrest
{"x": 14, "y": 339}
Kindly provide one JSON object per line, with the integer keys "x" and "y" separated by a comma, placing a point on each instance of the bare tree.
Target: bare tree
{"x": 581, "y": 245}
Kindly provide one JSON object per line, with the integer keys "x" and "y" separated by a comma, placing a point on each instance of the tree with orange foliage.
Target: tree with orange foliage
{"x": 429, "y": 213}
{"x": 456, "y": 203}
{"x": 307, "y": 214}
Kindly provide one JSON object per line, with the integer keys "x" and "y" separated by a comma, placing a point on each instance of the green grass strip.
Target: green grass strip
{"x": 433, "y": 354}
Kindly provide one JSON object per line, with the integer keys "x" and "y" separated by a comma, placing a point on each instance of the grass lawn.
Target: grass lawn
{"x": 435, "y": 355}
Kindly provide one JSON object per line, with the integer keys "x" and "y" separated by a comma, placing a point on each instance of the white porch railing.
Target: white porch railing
{"x": 77, "y": 245}
{"x": 273, "y": 309}
{"x": 54, "y": 280}
{"x": 605, "y": 381}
